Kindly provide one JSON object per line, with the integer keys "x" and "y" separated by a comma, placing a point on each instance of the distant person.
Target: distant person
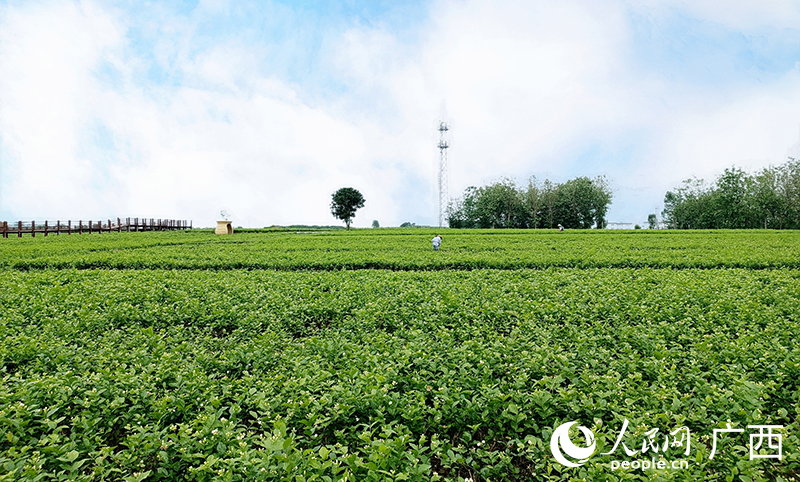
{"x": 437, "y": 241}
{"x": 560, "y": 227}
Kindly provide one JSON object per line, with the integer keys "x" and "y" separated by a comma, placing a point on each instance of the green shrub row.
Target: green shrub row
{"x": 405, "y": 250}
{"x": 379, "y": 375}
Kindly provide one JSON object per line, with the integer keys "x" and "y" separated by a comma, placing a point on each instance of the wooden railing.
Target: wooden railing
{"x": 80, "y": 227}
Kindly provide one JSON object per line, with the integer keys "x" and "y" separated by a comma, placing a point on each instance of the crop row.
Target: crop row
{"x": 379, "y": 375}
{"x": 406, "y": 250}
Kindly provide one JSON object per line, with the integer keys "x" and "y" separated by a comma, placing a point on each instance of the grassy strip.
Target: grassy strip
{"x": 406, "y": 250}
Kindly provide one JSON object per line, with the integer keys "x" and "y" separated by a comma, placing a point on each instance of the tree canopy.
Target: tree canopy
{"x": 578, "y": 203}
{"x": 345, "y": 203}
{"x": 738, "y": 200}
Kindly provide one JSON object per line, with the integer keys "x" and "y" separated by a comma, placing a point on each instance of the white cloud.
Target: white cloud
{"x": 257, "y": 153}
{"x": 530, "y": 87}
{"x": 47, "y": 94}
{"x": 524, "y": 83}
{"x": 533, "y": 86}
{"x": 752, "y": 132}
{"x": 736, "y": 14}
{"x": 237, "y": 140}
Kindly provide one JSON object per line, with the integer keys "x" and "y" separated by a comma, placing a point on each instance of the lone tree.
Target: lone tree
{"x": 345, "y": 202}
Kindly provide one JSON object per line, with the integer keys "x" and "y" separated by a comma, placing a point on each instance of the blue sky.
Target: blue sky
{"x": 181, "y": 109}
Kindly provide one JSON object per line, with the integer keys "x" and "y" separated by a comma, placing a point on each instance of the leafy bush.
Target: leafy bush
{"x": 380, "y": 375}
{"x": 406, "y": 249}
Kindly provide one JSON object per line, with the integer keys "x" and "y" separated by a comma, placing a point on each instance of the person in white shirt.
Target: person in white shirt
{"x": 437, "y": 241}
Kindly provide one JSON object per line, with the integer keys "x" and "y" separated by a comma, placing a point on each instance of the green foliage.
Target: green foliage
{"x": 345, "y": 203}
{"x": 405, "y": 249}
{"x": 499, "y": 205}
{"x": 579, "y": 203}
{"x": 423, "y": 371}
{"x": 768, "y": 199}
{"x": 582, "y": 203}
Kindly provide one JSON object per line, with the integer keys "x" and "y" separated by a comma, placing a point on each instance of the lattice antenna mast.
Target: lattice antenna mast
{"x": 443, "y": 188}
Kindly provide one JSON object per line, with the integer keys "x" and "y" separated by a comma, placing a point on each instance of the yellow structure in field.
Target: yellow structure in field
{"x": 224, "y": 227}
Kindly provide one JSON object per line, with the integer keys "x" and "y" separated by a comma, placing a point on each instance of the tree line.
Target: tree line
{"x": 770, "y": 198}
{"x": 579, "y": 203}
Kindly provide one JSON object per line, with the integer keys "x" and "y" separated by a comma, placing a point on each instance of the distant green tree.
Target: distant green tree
{"x": 376, "y": 224}
{"x": 768, "y": 202}
{"x": 601, "y": 199}
{"x": 500, "y": 205}
{"x": 689, "y": 206}
{"x": 345, "y": 203}
{"x": 732, "y": 205}
{"x": 788, "y": 190}
{"x": 652, "y": 221}
{"x": 579, "y": 203}
{"x": 408, "y": 224}
{"x": 582, "y": 203}
{"x": 549, "y": 195}
{"x": 737, "y": 200}
{"x": 462, "y": 213}
{"x": 532, "y": 201}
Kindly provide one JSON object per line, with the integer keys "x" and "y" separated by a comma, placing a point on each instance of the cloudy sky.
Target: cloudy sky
{"x": 181, "y": 109}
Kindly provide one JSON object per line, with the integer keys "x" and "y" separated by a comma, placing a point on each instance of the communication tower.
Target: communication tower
{"x": 443, "y": 192}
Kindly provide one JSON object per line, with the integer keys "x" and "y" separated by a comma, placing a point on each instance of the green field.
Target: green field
{"x": 364, "y": 355}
